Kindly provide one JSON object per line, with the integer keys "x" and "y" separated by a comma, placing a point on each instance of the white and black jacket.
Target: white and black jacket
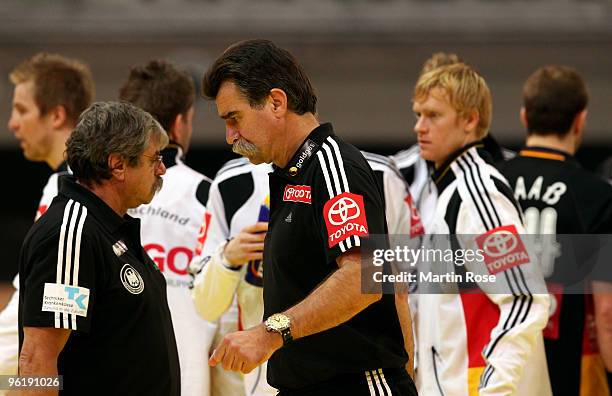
{"x": 487, "y": 342}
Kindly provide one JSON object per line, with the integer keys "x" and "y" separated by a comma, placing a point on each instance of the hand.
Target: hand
{"x": 247, "y": 245}
{"x": 245, "y": 350}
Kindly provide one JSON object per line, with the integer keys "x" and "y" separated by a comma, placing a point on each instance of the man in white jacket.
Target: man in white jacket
{"x": 474, "y": 336}
{"x": 230, "y": 248}
{"x": 170, "y": 223}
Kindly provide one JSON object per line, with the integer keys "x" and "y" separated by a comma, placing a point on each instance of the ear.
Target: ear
{"x": 59, "y": 117}
{"x": 523, "y": 117}
{"x": 278, "y": 99}
{"x": 117, "y": 165}
{"x": 471, "y": 121}
{"x": 579, "y": 122}
{"x": 176, "y": 127}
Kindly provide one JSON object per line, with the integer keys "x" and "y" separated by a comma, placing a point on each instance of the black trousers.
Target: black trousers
{"x": 378, "y": 382}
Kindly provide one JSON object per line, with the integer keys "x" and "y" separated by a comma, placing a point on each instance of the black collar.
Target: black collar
{"x": 172, "y": 154}
{"x": 306, "y": 152}
{"x": 62, "y": 168}
{"x": 441, "y": 176}
{"x": 493, "y": 148}
{"x": 547, "y": 153}
{"x": 103, "y": 213}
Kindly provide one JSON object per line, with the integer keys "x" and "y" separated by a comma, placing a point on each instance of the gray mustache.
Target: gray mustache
{"x": 158, "y": 184}
{"x": 244, "y": 148}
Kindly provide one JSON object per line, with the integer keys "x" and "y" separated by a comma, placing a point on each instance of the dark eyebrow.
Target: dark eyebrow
{"x": 229, "y": 114}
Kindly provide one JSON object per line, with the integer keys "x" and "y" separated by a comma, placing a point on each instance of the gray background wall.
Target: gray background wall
{"x": 362, "y": 55}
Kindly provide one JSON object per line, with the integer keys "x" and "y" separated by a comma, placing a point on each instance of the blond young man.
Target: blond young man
{"x": 488, "y": 341}
{"x": 411, "y": 165}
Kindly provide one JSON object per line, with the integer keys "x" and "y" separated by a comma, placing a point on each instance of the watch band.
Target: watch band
{"x": 286, "y": 334}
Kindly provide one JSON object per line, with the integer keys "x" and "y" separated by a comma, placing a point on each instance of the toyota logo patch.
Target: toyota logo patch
{"x": 502, "y": 248}
{"x": 345, "y": 217}
{"x": 499, "y": 243}
{"x": 343, "y": 210}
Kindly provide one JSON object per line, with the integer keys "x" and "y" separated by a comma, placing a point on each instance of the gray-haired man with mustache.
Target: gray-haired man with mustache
{"x": 83, "y": 259}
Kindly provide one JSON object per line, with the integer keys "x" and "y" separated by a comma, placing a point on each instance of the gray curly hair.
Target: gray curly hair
{"x": 110, "y": 128}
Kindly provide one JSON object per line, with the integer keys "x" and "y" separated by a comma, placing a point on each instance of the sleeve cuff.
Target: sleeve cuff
{"x": 223, "y": 260}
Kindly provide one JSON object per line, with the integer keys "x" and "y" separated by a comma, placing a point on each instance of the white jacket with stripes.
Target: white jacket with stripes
{"x": 487, "y": 343}
{"x": 236, "y": 196}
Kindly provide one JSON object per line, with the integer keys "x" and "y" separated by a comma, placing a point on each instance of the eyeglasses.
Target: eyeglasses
{"x": 156, "y": 159}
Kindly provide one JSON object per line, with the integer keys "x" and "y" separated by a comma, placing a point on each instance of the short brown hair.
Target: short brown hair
{"x": 58, "y": 81}
{"x": 160, "y": 89}
{"x": 466, "y": 89}
{"x": 552, "y": 97}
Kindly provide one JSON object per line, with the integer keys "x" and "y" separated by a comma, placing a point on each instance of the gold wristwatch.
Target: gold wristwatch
{"x": 281, "y": 324}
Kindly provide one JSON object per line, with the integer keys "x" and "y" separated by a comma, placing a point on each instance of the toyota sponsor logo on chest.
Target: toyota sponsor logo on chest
{"x": 503, "y": 249}
{"x": 345, "y": 217}
{"x": 297, "y": 194}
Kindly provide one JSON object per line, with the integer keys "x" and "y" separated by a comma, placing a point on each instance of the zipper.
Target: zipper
{"x": 434, "y": 356}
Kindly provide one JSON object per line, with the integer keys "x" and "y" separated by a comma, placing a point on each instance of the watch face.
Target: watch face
{"x": 278, "y": 322}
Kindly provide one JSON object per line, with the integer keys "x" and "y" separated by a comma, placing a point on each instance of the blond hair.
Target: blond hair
{"x": 466, "y": 91}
